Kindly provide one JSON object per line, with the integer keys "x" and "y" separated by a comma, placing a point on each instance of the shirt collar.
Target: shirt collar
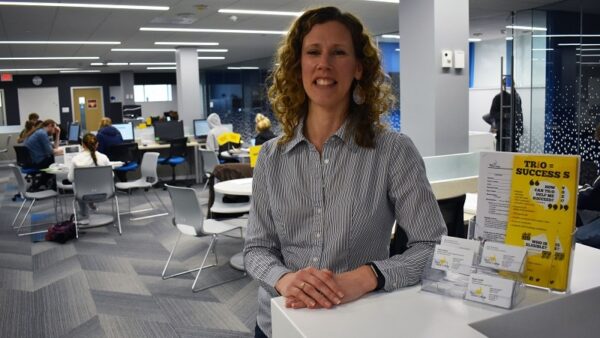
{"x": 339, "y": 134}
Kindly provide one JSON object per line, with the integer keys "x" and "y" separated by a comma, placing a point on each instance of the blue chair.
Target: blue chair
{"x": 177, "y": 155}
{"x": 127, "y": 153}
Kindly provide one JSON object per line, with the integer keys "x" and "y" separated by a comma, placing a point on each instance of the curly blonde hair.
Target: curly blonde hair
{"x": 286, "y": 93}
{"x": 262, "y": 123}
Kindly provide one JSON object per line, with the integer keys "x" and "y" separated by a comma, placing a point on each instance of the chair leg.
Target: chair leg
{"x": 218, "y": 283}
{"x": 152, "y": 207}
{"x": 169, "y": 260}
{"x": 26, "y": 214}
{"x": 116, "y": 202}
{"x": 76, "y": 220}
{"x": 18, "y": 213}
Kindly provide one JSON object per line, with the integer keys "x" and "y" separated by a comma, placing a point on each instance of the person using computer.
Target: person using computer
{"x": 42, "y": 151}
{"x": 216, "y": 129}
{"x": 87, "y": 158}
{"x": 326, "y": 193}
{"x": 107, "y": 135}
{"x": 30, "y": 124}
{"x": 263, "y": 128}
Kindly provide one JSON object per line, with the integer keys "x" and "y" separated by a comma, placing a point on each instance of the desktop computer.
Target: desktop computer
{"x": 166, "y": 131}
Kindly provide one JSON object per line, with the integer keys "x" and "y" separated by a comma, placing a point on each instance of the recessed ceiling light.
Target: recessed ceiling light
{"x": 474, "y": 40}
{"x": 60, "y": 42}
{"x": 244, "y": 67}
{"x": 258, "y": 12}
{"x": 211, "y": 30}
{"x": 167, "y": 43}
{"x": 526, "y": 28}
{"x": 81, "y": 71}
{"x": 142, "y": 49}
{"x": 152, "y": 64}
{"x": 151, "y": 68}
{"x": 34, "y": 69}
{"x": 51, "y": 58}
{"x": 80, "y": 5}
{"x": 211, "y": 57}
{"x": 390, "y": 36}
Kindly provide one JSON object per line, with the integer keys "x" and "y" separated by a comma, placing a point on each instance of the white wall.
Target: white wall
{"x": 149, "y": 108}
{"x": 43, "y": 101}
{"x": 487, "y": 63}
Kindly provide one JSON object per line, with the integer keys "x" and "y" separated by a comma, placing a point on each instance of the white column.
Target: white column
{"x": 434, "y": 101}
{"x": 189, "y": 102}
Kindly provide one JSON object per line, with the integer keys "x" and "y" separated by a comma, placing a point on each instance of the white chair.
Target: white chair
{"x": 29, "y": 196}
{"x": 95, "y": 185}
{"x": 146, "y": 182}
{"x": 210, "y": 160}
{"x": 5, "y": 149}
{"x": 189, "y": 220}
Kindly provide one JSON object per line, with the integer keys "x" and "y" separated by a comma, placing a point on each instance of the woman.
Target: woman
{"x": 107, "y": 135}
{"x": 30, "y": 127}
{"x": 263, "y": 128}
{"x": 326, "y": 193}
{"x": 87, "y": 158}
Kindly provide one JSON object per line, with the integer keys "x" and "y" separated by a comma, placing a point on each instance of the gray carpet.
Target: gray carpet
{"x": 106, "y": 285}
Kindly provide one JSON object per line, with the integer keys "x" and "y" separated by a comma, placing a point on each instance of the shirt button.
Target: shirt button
{"x": 318, "y": 210}
{"x": 318, "y": 234}
{"x": 315, "y": 259}
{"x": 395, "y": 285}
{"x": 326, "y": 161}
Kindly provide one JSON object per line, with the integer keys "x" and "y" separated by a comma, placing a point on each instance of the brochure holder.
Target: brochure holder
{"x": 455, "y": 272}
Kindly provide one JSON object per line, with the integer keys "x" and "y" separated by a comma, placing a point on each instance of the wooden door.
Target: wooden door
{"x": 91, "y": 99}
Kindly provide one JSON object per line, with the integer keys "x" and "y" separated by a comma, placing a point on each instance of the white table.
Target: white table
{"x": 410, "y": 312}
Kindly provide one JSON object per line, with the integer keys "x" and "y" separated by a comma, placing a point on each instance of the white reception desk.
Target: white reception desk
{"x": 410, "y": 312}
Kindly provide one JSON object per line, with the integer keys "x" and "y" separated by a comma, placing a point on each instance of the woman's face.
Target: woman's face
{"x": 329, "y": 65}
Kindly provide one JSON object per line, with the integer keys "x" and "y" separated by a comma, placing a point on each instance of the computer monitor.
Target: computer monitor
{"x": 166, "y": 131}
{"x": 201, "y": 128}
{"x": 74, "y": 133}
{"x": 126, "y": 130}
{"x": 229, "y": 126}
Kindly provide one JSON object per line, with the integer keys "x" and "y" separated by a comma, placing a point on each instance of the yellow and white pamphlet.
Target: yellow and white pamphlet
{"x": 530, "y": 200}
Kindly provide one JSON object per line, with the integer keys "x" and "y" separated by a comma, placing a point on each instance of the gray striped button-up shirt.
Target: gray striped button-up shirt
{"x": 336, "y": 211}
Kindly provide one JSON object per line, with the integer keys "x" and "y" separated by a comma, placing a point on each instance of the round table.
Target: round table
{"x": 239, "y": 187}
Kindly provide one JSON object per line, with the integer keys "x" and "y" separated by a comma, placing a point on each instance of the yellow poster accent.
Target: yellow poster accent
{"x": 541, "y": 217}
{"x": 229, "y": 137}
{"x": 253, "y": 152}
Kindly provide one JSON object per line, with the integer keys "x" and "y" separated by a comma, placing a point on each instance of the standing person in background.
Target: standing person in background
{"x": 263, "y": 128}
{"x": 107, "y": 135}
{"x": 504, "y": 141}
{"x": 326, "y": 193}
{"x": 87, "y": 158}
{"x": 30, "y": 124}
{"x": 42, "y": 151}
{"x": 216, "y": 129}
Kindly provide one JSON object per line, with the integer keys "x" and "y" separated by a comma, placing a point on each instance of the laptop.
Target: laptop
{"x": 573, "y": 315}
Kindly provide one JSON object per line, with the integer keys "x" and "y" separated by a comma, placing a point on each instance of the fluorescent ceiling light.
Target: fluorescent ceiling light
{"x": 391, "y": 36}
{"x": 541, "y": 49}
{"x": 51, "y": 58}
{"x": 588, "y": 55}
{"x": 588, "y": 49}
{"x": 244, "y": 67}
{"x": 167, "y": 43}
{"x": 117, "y": 63}
{"x": 60, "y": 42}
{"x": 579, "y": 44}
{"x": 212, "y": 50}
{"x": 81, "y": 5}
{"x": 151, "y": 68}
{"x": 142, "y": 49}
{"x": 388, "y": 1}
{"x": 474, "y": 40}
{"x": 96, "y": 64}
{"x": 509, "y": 38}
{"x": 152, "y": 64}
{"x": 258, "y": 12}
{"x": 35, "y": 69}
{"x": 81, "y": 71}
{"x": 397, "y": 49}
{"x": 526, "y": 28}
{"x": 210, "y": 30}
{"x": 211, "y": 58}
{"x": 566, "y": 35}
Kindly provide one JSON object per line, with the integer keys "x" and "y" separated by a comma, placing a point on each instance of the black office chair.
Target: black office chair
{"x": 177, "y": 155}
{"x": 127, "y": 153}
{"x": 453, "y": 213}
{"x": 588, "y": 172}
{"x": 26, "y": 164}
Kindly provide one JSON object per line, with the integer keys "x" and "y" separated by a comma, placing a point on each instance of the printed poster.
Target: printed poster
{"x": 530, "y": 200}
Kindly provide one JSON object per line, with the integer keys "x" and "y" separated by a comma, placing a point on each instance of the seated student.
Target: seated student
{"x": 87, "y": 158}
{"x": 42, "y": 151}
{"x": 30, "y": 124}
{"x": 589, "y": 199}
{"x": 107, "y": 135}
{"x": 216, "y": 129}
{"x": 263, "y": 128}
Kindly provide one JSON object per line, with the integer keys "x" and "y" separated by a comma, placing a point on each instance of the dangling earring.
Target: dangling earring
{"x": 358, "y": 95}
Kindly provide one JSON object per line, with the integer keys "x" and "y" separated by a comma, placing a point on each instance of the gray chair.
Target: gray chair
{"x": 94, "y": 185}
{"x": 209, "y": 161}
{"x": 30, "y": 196}
{"x": 189, "y": 220}
{"x": 5, "y": 149}
{"x": 146, "y": 182}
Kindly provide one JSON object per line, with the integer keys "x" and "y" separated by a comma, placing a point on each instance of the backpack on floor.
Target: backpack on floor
{"x": 62, "y": 232}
